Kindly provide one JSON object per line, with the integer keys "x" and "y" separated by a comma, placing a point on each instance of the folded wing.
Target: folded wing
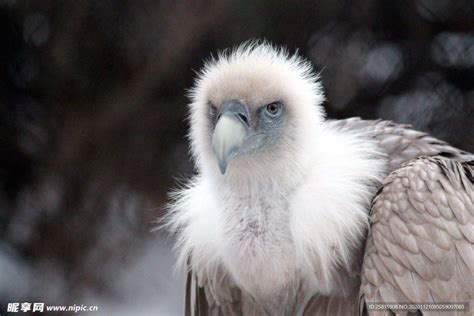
{"x": 421, "y": 245}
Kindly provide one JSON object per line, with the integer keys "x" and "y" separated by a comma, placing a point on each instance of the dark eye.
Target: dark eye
{"x": 274, "y": 108}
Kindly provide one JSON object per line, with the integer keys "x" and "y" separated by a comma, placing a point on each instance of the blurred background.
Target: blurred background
{"x": 92, "y": 120}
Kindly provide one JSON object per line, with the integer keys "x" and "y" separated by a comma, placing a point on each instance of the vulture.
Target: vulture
{"x": 291, "y": 213}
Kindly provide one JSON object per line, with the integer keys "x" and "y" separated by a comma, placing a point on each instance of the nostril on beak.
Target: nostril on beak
{"x": 244, "y": 118}
{"x": 237, "y": 110}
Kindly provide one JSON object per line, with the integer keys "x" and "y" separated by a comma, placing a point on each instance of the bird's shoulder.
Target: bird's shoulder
{"x": 400, "y": 143}
{"x": 420, "y": 247}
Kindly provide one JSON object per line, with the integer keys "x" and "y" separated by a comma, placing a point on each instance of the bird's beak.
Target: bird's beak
{"x": 230, "y": 132}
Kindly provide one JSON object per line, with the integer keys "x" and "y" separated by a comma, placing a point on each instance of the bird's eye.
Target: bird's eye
{"x": 274, "y": 108}
{"x": 212, "y": 109}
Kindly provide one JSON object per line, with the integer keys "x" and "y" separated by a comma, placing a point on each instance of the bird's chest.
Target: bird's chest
{"x": 259, "y": 249}
{"x": 253, "y": 224}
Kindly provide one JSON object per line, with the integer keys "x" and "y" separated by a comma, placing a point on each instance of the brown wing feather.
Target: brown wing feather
{"x": 416, "y": 251}
{"x": 221, "y": 299}
{"x": 224, "y": 299}
{"x": 332, "y": 306}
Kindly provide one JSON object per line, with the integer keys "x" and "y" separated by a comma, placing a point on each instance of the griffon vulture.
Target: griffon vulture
{"x": 293, "y": 214}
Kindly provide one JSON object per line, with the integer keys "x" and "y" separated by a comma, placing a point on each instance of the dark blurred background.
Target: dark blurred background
{"x": 92, "y": 120}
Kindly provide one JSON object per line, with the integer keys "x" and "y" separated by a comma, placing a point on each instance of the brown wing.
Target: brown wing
{"x": 221, "y": 298}
{"x": 400, "y": 143}
{"x": 332, "y": 306}
{"x": 421, "y": 245}
{"x": 217, "y": 298}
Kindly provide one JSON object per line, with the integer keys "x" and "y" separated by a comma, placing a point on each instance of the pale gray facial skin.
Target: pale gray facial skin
{"x": 236, "y": 130}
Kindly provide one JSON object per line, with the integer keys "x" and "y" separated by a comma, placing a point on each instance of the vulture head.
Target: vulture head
{"x": 252, "y": 110}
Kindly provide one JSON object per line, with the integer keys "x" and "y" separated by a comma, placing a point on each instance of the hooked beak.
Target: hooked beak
{"x": 230, "y": 132}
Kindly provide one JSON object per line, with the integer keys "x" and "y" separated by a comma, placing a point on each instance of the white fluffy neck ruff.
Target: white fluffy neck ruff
{"x": 329, "y": 212}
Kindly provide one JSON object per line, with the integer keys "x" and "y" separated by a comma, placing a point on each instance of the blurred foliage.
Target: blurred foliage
{"x": 93, "y": 104}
